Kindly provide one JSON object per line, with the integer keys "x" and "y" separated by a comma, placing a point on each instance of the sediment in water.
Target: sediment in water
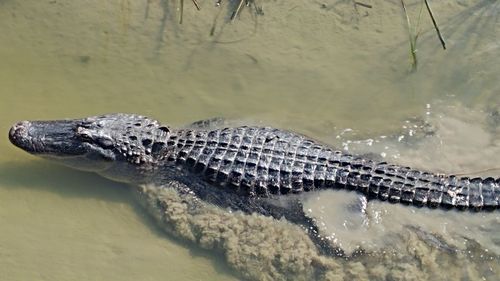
{"x": 263, "y": 248}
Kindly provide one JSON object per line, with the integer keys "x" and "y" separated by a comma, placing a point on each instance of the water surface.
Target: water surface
{"x": 331, "y": 70}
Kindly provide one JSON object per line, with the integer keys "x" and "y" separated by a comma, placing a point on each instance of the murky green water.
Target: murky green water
{"x": 333, "y": 70}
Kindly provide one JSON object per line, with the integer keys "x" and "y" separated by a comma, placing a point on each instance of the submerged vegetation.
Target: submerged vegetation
{"x": 414, "y": 31}
{"x": 236, "y": 6}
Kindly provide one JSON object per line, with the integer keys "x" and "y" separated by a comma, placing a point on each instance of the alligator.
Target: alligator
{"x": 244, "y": 168}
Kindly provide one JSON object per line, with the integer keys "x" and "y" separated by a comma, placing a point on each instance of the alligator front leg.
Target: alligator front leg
{"x": 292, "y": 209}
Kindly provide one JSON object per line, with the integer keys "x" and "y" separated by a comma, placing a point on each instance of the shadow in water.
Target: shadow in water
{"x": 66, "y": 182}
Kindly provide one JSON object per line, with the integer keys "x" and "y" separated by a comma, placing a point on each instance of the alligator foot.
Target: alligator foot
{"x": 207, "y": 123}
{"x": 322, "y": 243}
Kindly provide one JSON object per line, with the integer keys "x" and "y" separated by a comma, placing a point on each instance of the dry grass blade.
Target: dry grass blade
{"x": 196, "y": 4}
{"x": 237, "y": 11}
{"x": 363, "y": 4}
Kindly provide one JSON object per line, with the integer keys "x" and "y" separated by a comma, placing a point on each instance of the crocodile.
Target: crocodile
{"x": 244, "y": 168}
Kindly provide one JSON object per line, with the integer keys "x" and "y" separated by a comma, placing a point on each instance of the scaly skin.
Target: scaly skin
{"x": 245, "y": 164}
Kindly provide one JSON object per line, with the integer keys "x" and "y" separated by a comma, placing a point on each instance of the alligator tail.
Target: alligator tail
{"x": 404, "y": 185}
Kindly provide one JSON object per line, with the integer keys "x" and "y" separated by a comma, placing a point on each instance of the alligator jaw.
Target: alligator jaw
{"x": 46, "y": 137}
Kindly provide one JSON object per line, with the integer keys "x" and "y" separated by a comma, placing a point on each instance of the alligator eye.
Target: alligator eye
{"x": 84, "y": 134}
{"x": 105, "y": 142}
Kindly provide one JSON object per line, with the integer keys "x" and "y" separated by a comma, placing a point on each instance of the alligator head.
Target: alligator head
{"x": 116, "y": 146}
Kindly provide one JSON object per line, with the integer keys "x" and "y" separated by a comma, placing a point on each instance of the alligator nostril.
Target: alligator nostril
{"x": 19, "y": 131}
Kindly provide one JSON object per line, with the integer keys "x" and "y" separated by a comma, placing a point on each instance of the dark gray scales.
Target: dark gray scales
{"x": 265, "y": 162}
{"x": 239, "y": 165}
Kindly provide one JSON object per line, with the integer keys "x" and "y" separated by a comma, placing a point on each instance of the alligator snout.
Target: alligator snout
{"x": 18, "y": 134}
{"x": 52, "y": 138}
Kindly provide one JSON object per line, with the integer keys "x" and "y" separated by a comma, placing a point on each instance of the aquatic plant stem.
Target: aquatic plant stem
{"x": 181, "y": 2}
{"x": 412, "y": 39}
{"x": 443, "y": 43}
